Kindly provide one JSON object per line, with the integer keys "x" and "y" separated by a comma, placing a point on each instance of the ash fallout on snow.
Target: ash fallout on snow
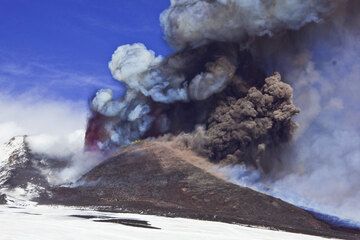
{"x": 240, "y": 72}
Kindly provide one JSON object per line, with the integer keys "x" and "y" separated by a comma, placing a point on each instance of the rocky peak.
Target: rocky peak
{"x": 12, "y": 154}
{"x": 20, "y": 173}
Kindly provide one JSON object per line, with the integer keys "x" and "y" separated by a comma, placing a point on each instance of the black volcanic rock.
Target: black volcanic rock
{"x": 2, "y": 199}
{"x": 156, "y": 178}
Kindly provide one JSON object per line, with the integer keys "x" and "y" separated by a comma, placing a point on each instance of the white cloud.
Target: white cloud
{"x": 55, "y": 128}
{"x": 38, "y": 115}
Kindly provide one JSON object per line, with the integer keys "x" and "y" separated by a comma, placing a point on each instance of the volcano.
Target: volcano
{"x": 156, "y": 177}
{"x": 267, "y": 86}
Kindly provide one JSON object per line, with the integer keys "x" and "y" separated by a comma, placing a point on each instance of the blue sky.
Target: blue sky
{"x": 61, "y": 48}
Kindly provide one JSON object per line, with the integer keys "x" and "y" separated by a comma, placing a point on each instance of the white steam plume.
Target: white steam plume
{"x": 138, "y": 68}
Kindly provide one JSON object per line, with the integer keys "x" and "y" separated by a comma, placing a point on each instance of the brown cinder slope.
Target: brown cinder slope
{"x": 155, "y": 178}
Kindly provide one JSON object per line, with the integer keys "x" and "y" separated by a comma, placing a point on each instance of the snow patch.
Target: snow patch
{"x": 57, "y": 223}
{"x": 22, "y": 196}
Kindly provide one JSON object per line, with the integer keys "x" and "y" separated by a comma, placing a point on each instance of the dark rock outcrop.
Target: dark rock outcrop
{"x": 2, "y": 199}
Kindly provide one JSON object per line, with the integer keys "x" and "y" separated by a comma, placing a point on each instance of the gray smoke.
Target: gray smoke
{"x": 128, "y": 117}
{"x": 244, "y": 130}
{"x": 163, "y": 80}
{"x": 322, "y": 167}
{"x": 227, "y": 47}
{"x": 197, "y": 72}
{"x": 192, "y": 26}
{"x": 192, "y": 23}
{"x": 186, "y": 76}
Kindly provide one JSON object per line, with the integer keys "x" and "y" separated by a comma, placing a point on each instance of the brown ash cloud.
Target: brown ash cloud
{"x": 213, "y": 80}
{"x": 249, "y": 128}
{"x": 245, "y": 115}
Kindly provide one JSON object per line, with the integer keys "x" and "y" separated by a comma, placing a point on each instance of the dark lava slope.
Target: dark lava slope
{"x": 155, "y": 178}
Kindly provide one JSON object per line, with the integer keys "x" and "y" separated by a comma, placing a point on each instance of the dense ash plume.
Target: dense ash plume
{"x": 216, "y": 79}
{"x": 158, "y": 91}
{"x": 213, "y": 71}
{"x": 243, "y": 129}
{"x": 322, "y": 63}
{"x": 189, "y": 88}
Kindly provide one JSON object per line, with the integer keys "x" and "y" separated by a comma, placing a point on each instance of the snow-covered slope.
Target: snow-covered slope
{"x": 11, "y": 153}
{"x": 21, "y": 177}
{"x": 59, "y": 223}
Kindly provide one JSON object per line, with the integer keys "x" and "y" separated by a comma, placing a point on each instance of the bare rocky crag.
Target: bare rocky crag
{"x": 20, "y": 170}
{"x": 3, "y": 199}
{"x": 24, "y": 172}
{"x": 155, "y": 177}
